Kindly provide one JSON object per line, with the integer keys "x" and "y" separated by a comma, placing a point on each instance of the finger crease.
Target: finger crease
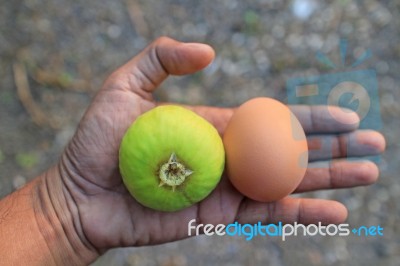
{"x": 312, "y": 117}
{"x": 332, "y": 175}
{"x": 145, "y": 80}
{"x": 271, "y": 211}
{"x": 300, "y": 211}
{"x": 342, "y": 146}
{"x": 159, "y": 61}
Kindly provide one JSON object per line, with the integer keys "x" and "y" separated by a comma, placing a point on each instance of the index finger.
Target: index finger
{"x": 313, "y": 118}
{"x": 325, "y": 119}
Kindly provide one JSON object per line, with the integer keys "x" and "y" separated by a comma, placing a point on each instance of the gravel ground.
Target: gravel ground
{"x": 66, "y": 49}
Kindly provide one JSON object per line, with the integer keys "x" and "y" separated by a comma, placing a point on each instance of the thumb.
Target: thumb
{"x": 163, "y": 57}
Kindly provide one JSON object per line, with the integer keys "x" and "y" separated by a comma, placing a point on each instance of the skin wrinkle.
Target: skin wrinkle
{"x": 139, "y": 79}
{"x": 78, "y": 226}
{"x": 96, "y": 188}
{"x": 221, "y": 208}
{"x": 235, "y": 200}
{"x": 145, "y": 79}
{"x": 76, "y": 175}
{"x": 250, "y": 213}
{"x": 199, "y": 219}
{"x": 4, "y": 214}
{"x": 174, "y": 232}
{"x": 223, "y": 121}
{"x": 270, "y": 213}
{"x": 100, "y": 141}
{"x": 159, "y": 61}
{"x": 143, "y": 239}
{"x": 121, "y": 81}
{"x": 239, "y": 209}
{"x": 147, "y": 239}
{"x": 70, "y": 172}
{"x": 160, "y": 229}
{"x": 85, "y": 193}
{"x": 315, "y": 116}
{"x": 339, "y": 176}
{"x": 117, "y": 139}
{"x": 71, "y": 154}
{"x": 342, "y": 145}
{"x": 311, "y": 115}
{"x": 40, "y": 208}
{"x": 146, "y": 106}
{"x": 62, "y": 220}
{"x": 140, "y": 107}
{"x": 75, "y": 215}
{"x": 300, "y": 211}
{"x": 133, "y": 225}
{"x": 332, "y": 174}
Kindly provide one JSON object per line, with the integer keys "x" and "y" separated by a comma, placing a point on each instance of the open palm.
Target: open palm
{"x": 109, "y": 217}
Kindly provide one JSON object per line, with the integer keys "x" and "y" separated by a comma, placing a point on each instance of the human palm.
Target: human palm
{"x": 110, "y": 217}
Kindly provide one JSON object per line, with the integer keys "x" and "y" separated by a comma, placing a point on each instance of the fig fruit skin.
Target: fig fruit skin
{"x": 149, "y": 143}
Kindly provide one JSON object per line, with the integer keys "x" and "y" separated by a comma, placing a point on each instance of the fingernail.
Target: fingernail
{"x": 372, "y": 139}
{"x": 344, "y": 115}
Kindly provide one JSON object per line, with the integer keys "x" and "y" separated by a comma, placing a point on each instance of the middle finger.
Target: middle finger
{"x": 353, "y": 144}
{"x": 338, "y": 174}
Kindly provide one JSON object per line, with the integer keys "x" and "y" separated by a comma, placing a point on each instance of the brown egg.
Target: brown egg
{"x": 266, "y": 150}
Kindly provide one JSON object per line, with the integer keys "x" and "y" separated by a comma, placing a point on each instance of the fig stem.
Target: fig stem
{"x": 173, "y": 173}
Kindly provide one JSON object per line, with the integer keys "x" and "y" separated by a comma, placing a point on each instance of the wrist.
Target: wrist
{"x": 57, "y": 218}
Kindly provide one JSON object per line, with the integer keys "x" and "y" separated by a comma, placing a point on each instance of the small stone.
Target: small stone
{"x": 278, "y": 31}
{"x": 374, "y": 206}
{"x": 382, "y": 67}
{"x": 303, "y": 9}
{"x": 114, "y": 31}
{"x": 346, "y": 28}
{"x": 382, "y": 195}
{"x": 19, "y": 181}
{"x": 174, "y": 260}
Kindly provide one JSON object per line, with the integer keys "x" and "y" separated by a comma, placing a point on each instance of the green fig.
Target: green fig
{"x": 171, "y": 158}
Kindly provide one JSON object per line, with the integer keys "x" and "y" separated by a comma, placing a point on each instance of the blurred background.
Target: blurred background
{"x": 56, "y": 54}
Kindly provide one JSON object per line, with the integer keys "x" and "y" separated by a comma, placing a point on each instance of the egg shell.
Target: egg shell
{"x": 266, "y": 150}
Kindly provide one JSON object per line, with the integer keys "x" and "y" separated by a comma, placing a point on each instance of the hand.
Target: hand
{"x": 105, "y": 215}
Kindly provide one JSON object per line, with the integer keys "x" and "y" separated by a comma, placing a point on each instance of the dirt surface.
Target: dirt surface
{"x": 56, "y": 54}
